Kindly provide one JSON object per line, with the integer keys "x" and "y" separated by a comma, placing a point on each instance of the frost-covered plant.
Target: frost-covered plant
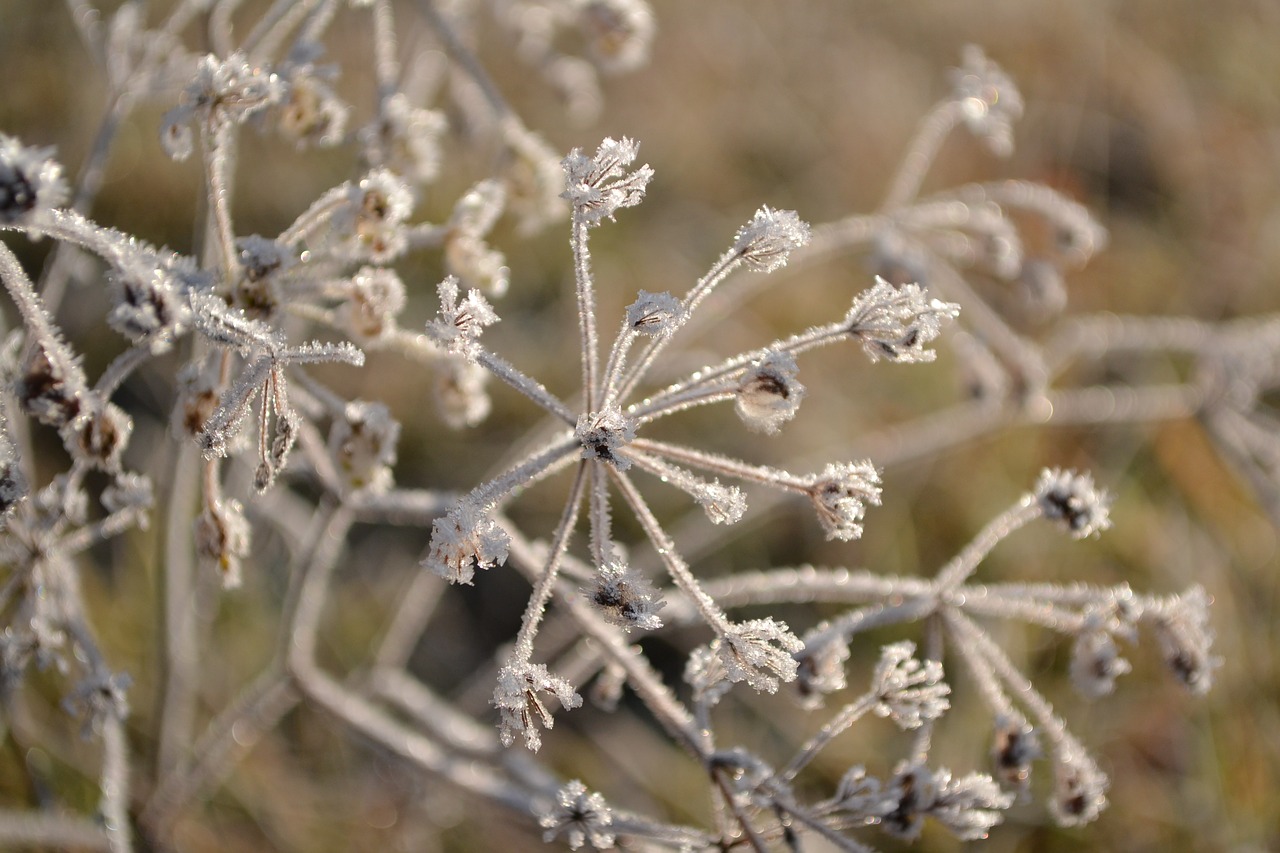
{"x": 266, "y": 448}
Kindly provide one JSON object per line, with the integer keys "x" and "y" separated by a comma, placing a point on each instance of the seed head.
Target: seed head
{"x": 30, "y": 182}
{"x": 520, "y": 708}
{"x": 840, "y": 495}
{"x": 1070, "y": 498}
{"x": 767, "y": 241}
{"x": 599, "y": 186}
{"x": 768, "y": 394}
{"x": 583, "y": 817}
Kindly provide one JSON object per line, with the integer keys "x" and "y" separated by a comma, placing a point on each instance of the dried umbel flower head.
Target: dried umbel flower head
{"x": 535, "y": 181}
{"x": 101, "y": 696}
{"x": 1071, "y": 499}
{"x": 63, "y": 496}
{"x": 705, "y": 673}
{"x": 466, "y": 253}
{"x": 152, "y": 304}
{"x": 970, "y": 805}
{"x": 310, "y": 112}
{"x": 30, "y": 182}
{"x": 477, "y": 210}
{"x": 248, "y": 301}
{"x": 260, "y": 262}
{"x": 581, "y": 816}
{"x": 478, "y": 264}
{"x": 722, "y": 504}
{"x": 129, "y": 492}
{"x": 197, "y": 398}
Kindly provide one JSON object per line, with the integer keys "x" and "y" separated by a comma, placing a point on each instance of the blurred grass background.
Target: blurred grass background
{"x": 1162, "y": 117}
